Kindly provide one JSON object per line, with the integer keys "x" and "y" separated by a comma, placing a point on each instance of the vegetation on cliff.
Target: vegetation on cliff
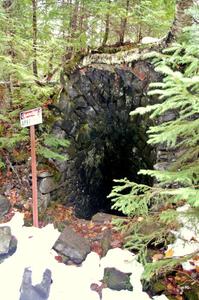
{"x": 40, "y": 38}
{"x": 176, "y": 131}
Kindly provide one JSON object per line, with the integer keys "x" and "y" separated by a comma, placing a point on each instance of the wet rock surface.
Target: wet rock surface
{"x": 105, "y": 143}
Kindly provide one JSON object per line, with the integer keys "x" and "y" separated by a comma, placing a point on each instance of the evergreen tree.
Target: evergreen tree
{"x": 178, "y": 93}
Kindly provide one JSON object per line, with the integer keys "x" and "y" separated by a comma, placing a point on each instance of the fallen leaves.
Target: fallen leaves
{"x": 157, "y": 256}
{"x": 59, "y": 258}
{"x": 169, "y": 253}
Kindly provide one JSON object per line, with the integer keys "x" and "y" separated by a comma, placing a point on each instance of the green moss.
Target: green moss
{"x": 117, "y": 280}
{"x": 71, "y": 65}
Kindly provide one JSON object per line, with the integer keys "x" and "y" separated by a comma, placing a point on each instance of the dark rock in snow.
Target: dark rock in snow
{"x": 8, "y": 243}
{"x": 117, "y": 280}
{"x": 5, "y": 239}
{"x": 4, "y": 205}
{"x": 72, "y": 245}
{"x": 38, "y": 292}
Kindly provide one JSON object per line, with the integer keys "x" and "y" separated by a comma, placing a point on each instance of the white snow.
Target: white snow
{"x": 187, "y": 237}
{"x": 150, "y": 40}
{"x": 34, "y": 251}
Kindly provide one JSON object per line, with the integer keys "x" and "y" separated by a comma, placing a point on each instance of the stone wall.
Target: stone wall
{"x": 105, "y": 143}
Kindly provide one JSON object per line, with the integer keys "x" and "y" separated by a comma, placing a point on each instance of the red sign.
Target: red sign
{"x": 31, "y": 117}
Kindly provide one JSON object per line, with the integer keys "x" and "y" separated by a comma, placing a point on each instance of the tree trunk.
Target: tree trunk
{"x": 34, "y": 37}
{"x": 124, "y": 24}
{"x": 74, "y": 19}
{"x": 10, "y": 32}
{"x": 182, "y": 19}
{"x": 107, "y": 28}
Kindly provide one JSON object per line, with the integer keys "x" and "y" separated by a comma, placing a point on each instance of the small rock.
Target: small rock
{"x": 106, "y": 241}
{"x": 117, "y": 280}
{"x": 72, "y": 245}
{"x": 44, "y": 174}
{"x": 8, "y": 243}
{"x": 43, "y": 201}
{"x": 161, "y": 166}
{"x": 102, "y": 218}
{"x": 47, "y": 185}
{"x": 169, "y": 116}
{"x": 4, "y": 205}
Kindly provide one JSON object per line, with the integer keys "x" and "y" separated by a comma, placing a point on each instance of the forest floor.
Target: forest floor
{"x": 179, "y": 284}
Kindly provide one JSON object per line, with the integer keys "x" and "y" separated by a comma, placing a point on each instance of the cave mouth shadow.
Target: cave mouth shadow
{"x": 119, "y": 153}
{"x": 106, "y": 144}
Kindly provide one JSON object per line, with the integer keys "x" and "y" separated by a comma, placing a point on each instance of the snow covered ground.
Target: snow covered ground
{"x": 34, "y": 251}
{"x": 187, "y": 237}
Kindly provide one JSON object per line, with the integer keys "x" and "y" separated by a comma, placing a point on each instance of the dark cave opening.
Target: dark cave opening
{"x": 106, "y": 144}
{"x": 125, "y": 160}
{"x": 118, "y": 153}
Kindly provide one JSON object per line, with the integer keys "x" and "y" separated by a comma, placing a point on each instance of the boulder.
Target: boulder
{"x": 117, "y": 280}
{"x": 8, "y": 243}
{"x": 4, "y": 205}
{"x": 47, "y": 185}
{"x": 71, "y": 245}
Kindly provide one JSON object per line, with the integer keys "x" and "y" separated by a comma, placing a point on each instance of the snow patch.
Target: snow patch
{"x": 34, "y": 251}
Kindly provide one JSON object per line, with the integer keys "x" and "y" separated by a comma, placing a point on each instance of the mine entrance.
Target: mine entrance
{"x": 106, "y": 143}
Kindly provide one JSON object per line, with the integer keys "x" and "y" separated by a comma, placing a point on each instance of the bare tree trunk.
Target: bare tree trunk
{"x": 34, "y": 37}
{"x": 181, "y": 19}
{"x": 107, "y": 28}
{"x": 7, "y": 5}
{"x": 124, "y": 24}
{"x": 139, "y": 33}
{"x": 74, "y": 19}
{"x": 82, "y": 16}
{"x": 83, "y": 22}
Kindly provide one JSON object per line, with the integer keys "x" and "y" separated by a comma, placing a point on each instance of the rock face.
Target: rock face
{"x": 105, "y": 143}
{"x": 4, "y": 205}
{"x": 72, "y": 246}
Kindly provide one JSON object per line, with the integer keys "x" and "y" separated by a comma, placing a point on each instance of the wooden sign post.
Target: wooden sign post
{"x": 30, "y": 118}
